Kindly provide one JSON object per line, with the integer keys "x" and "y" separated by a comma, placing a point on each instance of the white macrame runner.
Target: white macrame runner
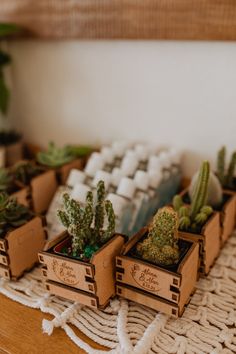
{"x": 207, "y": 326}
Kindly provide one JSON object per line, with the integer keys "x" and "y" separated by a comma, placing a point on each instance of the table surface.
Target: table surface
{"x": 21, "y": 332}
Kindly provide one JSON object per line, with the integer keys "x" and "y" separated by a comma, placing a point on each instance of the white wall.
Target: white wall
{"x": 182, "y": 93}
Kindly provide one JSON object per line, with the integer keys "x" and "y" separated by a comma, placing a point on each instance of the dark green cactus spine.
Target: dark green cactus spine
{"x": 200, "y": 191}
{"x": 79, "y": 219}
{"x": 161, "y": 245}
{"x": 221, "y": 165}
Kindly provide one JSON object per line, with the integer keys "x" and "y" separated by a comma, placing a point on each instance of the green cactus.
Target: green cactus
{"x": 12, "y": 214}
{"x": 55, "y": 157}
{"x": 194, "y": 216}
{"x": 24, "y": 171}
{"x": 85, "y": 223}
{"x": 161, "y": 244}
{"x": 221, "y": 165}
{"x": 226, "y": 178}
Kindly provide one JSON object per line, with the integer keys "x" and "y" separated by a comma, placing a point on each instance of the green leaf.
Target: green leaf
{"x": 4, "y": 95}
{"x": 7, "y": 29}
{"x": 4, "y": 58}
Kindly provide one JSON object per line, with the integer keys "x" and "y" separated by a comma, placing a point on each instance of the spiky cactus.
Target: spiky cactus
{"x": 226, "y": 178}
{"x": 194, "y": 216}
{"x": 161, "y": 244}
{"x": 54, "y": 156}
{"x": 12, "y": 214}
{"x": 85, "y": 223}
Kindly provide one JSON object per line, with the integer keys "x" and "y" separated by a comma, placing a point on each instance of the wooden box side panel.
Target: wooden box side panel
{"x": 4, "y": 259}
{"x": 24, "y": 243}
{"x": 72, "y": 294}
{"x": 65, "y": 170}
{"x": 5, "y": 272}
{"x": 14, "y": 153}
{"x": 228, "y": 218}
{"x": 189, "y": 273}
{"x": 68, "y": 272}
{"x": 104, "y": 265}
{"x": 212, "y": 234}
{"x": 149, "y": 278}
{"x": 147, "y": 300}
{"x": 22, "y": 196}
{"x": 43, "y": 188}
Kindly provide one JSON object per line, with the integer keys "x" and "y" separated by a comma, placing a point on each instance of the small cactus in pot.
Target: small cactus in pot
{"x": 226, "y": 175}
{"x": 85, "y": 224}
{"x": 161, "y": 245}
{"x": 193, "y": 216}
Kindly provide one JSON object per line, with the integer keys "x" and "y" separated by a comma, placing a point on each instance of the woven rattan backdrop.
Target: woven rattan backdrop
{"x": 121, "y": 19}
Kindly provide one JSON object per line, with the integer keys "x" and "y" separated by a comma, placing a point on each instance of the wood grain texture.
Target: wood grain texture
{"x": 20, "y": 332}
{"x": 124, "y": 19}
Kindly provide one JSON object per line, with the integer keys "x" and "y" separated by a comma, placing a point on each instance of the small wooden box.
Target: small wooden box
{"x": 209, "y": 242}
{"x": 227, "y": 216}
{"x": 90, "y": 283}
{"x": 22, "y": 196}
{"x": 19, "y": 248}
{"x": 162, "y": 288}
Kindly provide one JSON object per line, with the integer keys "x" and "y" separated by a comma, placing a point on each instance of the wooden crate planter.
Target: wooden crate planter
{"x": 19, "y": 248}
{"x": 227, "y": 216}
{"x": 227, "y": 213}
{"x": 41, "y": 190}
{"x": 160, "y": 288}
{"x": 13, "y": 153}
{"x": 209, "y": 240}
{"x": 90, "y": 283}
{"x": 22, "y": 196}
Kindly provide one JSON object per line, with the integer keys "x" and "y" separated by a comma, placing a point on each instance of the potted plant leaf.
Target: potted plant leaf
{"x": 22, "y": 236}
{"x": 80, "y": 263}
{"x": 9, "y": 185}
{"x": 198, "y": 221}
{"x": 62, "y": 160}
{"x": 42, "y": 183}
{"x": 158, "y": 268}
{"x": 10, "y": 140}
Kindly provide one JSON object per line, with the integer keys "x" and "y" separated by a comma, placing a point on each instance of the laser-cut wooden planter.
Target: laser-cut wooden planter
{"x": 227, "y": 213}
{"x": 209, "y": 240}
{"x": 19, "y": 248}
{"x": 41, "y": 190}
{"x": 90, "y": 283}
{"x": 166, "y": 289}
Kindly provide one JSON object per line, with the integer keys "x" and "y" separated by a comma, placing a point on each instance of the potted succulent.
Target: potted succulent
{"x": 198, "y": 221}
{"x": 9, "y": 185}
{"x": 22, "y": 236}
{"x": 63, "y": 159}
{"x": 42, "y": 183}
{"x": 79, "y": 265}
{"x": 10, "y": 141}
{"x": 157, "y": 268}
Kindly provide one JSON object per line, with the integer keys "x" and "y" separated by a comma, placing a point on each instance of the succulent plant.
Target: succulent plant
{"x": 161, "y": 244}
{"x": 54, "y": 156}
{"x": 194, "y": 216}
{"x": 226, "y": 178}
{"x": 85, "y": 223}
{"x": 80, "y": 150}
{"x": 12, "y": 214}
{"x": 24, "y": 171}
{"x": 6, "y": 180}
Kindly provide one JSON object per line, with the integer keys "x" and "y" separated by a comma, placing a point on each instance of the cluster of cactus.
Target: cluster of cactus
{"x": 226, "y": 178}
{"x": 55, "y": 157}
{"x": 12, "y": 214}
{"x": 85, "y": 223}
{"x": 24, "y": 171}
{"x": 194, "y": 216}
{"x": 161, "y": 244}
